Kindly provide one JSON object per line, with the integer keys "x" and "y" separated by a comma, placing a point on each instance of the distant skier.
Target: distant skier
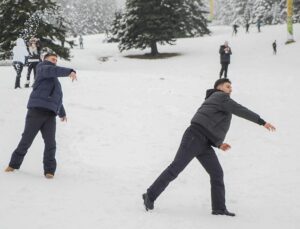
{"x": 235, "y": 29}
{"x": 274, "y": 45}
{"x": 258, "y": 24}
{"x": 225, "y": 52}
{"x": 80, "y": 42}
{"x": 19, "y": 56}
{"x": 33, "y": 59}
{"x": 208, "y": 129}
{"x": 247, "y": 27}
{"x": 45, "y": 102}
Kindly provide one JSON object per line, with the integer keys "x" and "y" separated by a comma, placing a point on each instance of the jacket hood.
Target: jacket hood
{"x": 209, "y": 92}
{"x": 20, "y": 42}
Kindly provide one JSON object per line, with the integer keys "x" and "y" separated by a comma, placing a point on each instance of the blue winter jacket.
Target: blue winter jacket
{"x": 47, "y": 92}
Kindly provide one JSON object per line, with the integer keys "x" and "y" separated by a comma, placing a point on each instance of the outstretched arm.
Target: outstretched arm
{"x": 50, "y": 71}
{"x": 229, "y": 105}
{"x": 237, "y": 109}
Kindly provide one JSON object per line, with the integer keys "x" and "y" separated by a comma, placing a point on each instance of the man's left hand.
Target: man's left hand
{"x": 63, "y": 119}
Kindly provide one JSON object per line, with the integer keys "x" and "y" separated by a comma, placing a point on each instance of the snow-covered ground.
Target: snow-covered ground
{"x": 126, "y": 118}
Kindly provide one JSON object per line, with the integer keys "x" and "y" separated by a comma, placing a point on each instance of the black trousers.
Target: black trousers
{"x": 37, "y": 120}
{"x": 18, "y": 66}
{"x": 224, "y": 69}
{"x": 193, "y": 144}
{"x": 32, "y": 66}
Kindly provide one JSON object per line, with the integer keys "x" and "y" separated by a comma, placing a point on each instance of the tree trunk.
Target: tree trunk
{"x": 154, "y": 50}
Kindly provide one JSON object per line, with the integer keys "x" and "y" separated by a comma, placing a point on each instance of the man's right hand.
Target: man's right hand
{"x": 269, "y": 127}
{"x": 73, "y": 76}
{"x": 224, "y": 146}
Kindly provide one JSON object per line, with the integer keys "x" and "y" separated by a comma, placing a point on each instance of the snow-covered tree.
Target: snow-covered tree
{"x": 27, "y": 18}
{"x": 239, "y": 12}
{"x": 88, "y": 16}
{"x": 242, "y": 11}
{"x": 194, "y": 22}
{"x": 224, "y": 12}
{"x": 148, "y": 22}
{"x": 297, "y": 11}
{"x": 262, "y": 10}
{"x": 117, "y": 27}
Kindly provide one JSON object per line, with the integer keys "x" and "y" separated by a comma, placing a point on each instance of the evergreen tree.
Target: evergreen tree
{"x": 224, "y": 12}
{"x": 262, "y": 9}
{"x": 248, "y": 11}
{"x": 242, "y": 11}
{"x": 27, "y": 18}
{"x": 297, "y": 11}
{"x": 148, "y": 22}
{"x": 88, "y": 16}
{"x": 194, "y": 23}
{"x": 117, "y": 27}
{"x": 239, "y": 12}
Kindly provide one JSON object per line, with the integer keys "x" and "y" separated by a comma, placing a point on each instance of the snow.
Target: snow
{"x": 126, "y": 118}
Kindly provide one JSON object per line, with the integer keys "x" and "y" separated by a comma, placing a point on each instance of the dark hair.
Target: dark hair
{"x": 49, "y": 54}
{"x": 221, "y": 81}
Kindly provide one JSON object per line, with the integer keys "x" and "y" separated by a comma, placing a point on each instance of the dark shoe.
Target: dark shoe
{"x": 27, "y": 84}
{"x": 222, "y": 212}
{"x": 149, "y": 205}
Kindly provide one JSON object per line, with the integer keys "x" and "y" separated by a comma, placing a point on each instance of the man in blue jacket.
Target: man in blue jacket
{"x": 208, "y": 128}
{"x": 45, "y": 103}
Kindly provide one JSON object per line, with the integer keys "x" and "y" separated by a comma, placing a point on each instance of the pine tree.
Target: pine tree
{"x": 262, "y": 9}
{"x": 297, "y": 11}
{"x": 239, "y": 12}
{"x": 148, "y": 22}
{"x": 194, "y": 23}
{"x": 224, "y": 12}
{"x": 116, "y": 28}
{"x": 88, "y": 16}
{"x": 27, "y": 18}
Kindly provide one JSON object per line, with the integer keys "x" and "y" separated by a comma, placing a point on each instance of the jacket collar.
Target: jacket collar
{"x": 46, "y": 62}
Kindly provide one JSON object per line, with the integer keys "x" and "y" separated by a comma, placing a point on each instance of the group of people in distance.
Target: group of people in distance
{"x": 26, "y": 55}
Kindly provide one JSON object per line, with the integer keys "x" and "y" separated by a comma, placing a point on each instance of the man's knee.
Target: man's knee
{"x": 175, "y": 168}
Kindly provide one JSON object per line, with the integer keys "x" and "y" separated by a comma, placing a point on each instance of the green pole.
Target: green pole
{"x": 211, "y": 10}
{"x": 290, "y": 36}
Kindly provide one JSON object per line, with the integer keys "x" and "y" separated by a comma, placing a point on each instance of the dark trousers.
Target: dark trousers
{"x": 37, "y": 120}
{"x": 18, "y": 66}
{"x": 193, "y": 144}
{"x": 224, "y": 69}
{"x": 32, "y": 66}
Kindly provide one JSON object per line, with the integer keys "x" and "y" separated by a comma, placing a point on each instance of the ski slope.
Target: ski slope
{"x": 126, "y": 118}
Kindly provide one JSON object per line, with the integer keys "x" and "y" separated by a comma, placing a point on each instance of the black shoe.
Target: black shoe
{"x": 222, "y": 212}
{"x": 149, "y": 205}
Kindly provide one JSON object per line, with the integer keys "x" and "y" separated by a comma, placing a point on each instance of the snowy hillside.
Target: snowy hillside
{"x": 126, "y": 118}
